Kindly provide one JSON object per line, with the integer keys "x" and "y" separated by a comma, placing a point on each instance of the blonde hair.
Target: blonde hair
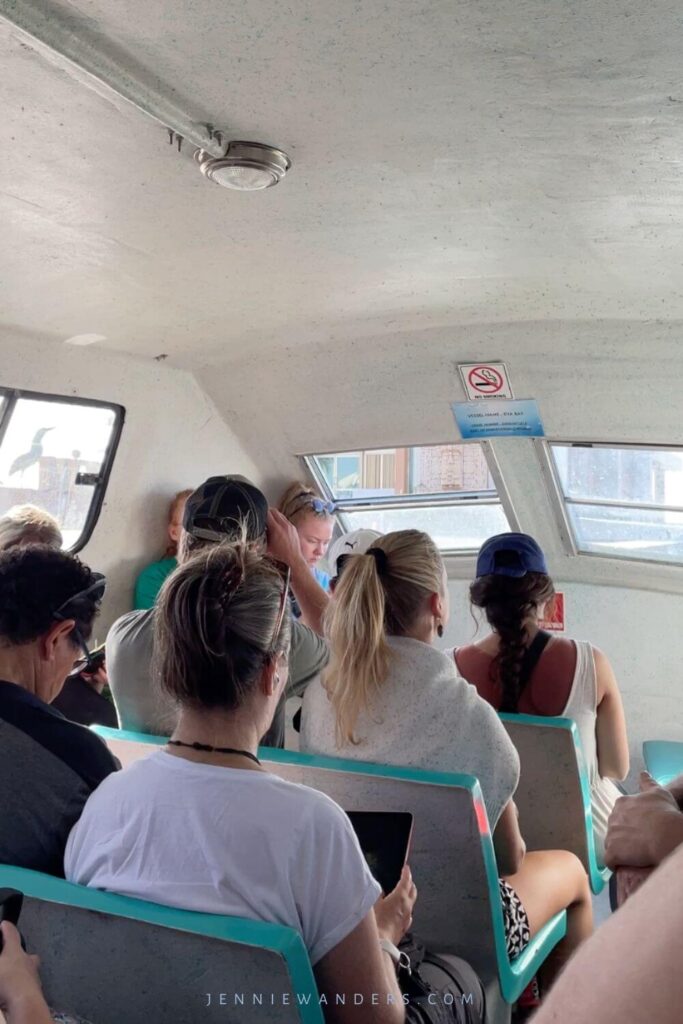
{"x": 220, "y": 617}
{"x": 297, "y": 502}
{"x": 28, "y": 524}
{"x": 379, "y": 593}
{"x": 179, "y": 500}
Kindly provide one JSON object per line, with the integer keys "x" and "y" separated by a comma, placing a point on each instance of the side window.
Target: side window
{"x": 622, "y": 501}
{"x": 446, "y": 490}
{"x": 57, "y": 453}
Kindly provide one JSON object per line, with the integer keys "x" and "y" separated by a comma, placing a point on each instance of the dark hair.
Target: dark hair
{"x": 507, "y": 602}
{"x": 215, "y": 625}
{"x": 36, "y": 581}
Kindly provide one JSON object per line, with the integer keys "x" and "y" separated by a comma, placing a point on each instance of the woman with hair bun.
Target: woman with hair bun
{"x": 203, "y": 825}
{"x": 313, "y": 518}
{"x": 519, "y": 668}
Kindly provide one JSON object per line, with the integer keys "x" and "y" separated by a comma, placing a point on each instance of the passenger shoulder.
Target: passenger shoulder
{"x": 131, "y": 623}
{"x": 90, "y": 756}
{"x": 312, "y": 806}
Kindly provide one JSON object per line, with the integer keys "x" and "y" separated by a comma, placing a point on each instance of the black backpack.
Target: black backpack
{"x": 440, "y": 989}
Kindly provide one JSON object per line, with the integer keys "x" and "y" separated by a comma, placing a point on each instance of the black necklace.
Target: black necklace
{"x": 214, "y": 750}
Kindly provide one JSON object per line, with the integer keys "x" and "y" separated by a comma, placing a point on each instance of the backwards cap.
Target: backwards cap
{"x": 219, "y": 507}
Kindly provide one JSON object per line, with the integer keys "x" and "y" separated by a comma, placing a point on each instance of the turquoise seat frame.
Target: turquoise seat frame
{"x": 286, "y": 942}
{"x": 663, "y": 759}
{"x": 598, "y": 874}
{"x": 513, "y": 976}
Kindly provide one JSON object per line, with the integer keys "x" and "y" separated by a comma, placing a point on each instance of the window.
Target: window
{"x": 446, "y": 490}
{"x": 57, "y": 453}
{"x": 623, "y": 501}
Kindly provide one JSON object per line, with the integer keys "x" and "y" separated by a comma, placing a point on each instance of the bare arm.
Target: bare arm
{"x": 359, "y": 968}
{"x": 21, "y": 997}
{"x": 610, "y": 728}
{"x": 647, "y": 935}
{"x": 507, "y": 841}
{"x": 283, "y": 544}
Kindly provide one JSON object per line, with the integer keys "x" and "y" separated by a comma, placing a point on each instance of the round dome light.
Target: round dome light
{"x": 246, "y": 166}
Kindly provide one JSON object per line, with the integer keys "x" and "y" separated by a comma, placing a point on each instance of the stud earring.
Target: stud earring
{"x": 439, "y": 629}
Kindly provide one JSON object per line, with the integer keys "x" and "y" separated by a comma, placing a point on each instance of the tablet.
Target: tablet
{"x": 384, "y": 838}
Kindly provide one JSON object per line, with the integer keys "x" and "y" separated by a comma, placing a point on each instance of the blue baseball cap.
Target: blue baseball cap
{"x": 510, "y": 554}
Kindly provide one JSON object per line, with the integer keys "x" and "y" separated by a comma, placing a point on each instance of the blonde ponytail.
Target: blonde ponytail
{"x": 378, "y": 594}
{"x": 359, "y": 653}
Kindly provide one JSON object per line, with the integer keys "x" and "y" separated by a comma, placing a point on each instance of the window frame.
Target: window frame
{"x": 560, "y": 501}
{"x": 447, "y": 499}
{"x": 12, "y": 395}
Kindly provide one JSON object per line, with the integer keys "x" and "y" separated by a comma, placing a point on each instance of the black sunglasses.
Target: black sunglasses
{"x": 96, "y": 590}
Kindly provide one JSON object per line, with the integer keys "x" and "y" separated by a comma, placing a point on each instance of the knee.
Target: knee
{"x": 574, "y": 869}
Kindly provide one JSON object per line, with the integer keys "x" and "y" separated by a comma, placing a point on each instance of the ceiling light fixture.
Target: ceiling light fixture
{"x": 100, "y": 63}
{"x": 246, "y": 166}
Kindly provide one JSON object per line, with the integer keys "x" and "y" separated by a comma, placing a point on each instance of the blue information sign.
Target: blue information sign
{"x": 498, "y": 417}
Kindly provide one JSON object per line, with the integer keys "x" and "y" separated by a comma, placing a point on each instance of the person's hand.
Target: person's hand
{"x": 98, "y": 679}
{"x": 394, "y": 913}
{"x": 283, "y": 539}
{"x": 19, "y": 981}
{"x": 642, "y": 830}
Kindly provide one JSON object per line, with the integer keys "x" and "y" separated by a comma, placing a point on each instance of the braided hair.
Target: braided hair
{"x": 508, "y": 602}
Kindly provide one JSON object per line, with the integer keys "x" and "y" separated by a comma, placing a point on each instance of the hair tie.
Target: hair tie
{"x": 381, "y": 560}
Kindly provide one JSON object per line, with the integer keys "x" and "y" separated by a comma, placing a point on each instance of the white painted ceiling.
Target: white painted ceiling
{"x": 454, "y": 163}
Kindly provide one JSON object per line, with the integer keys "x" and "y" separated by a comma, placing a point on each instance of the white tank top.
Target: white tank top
{"x": 582, "y": 708}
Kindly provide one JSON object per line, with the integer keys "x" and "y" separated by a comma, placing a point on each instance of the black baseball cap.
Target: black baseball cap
{"x": 222, "y": 505}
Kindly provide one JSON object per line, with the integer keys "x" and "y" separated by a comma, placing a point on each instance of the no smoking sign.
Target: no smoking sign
{"x": 485, "y": 380}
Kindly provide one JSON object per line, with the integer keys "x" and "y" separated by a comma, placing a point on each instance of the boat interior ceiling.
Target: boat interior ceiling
{"x": 486, "y": 180}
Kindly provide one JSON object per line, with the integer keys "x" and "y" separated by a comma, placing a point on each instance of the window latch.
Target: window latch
{"x": 88, "y": 479}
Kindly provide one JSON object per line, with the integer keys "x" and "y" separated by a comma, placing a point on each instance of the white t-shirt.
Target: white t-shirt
{"x": 224, "y": 841}
{"x": 424, "y": 715}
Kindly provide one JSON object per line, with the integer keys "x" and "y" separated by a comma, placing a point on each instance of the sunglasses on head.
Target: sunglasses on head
{"x": 319, "y": 505}
{"x": 96, "y": 592}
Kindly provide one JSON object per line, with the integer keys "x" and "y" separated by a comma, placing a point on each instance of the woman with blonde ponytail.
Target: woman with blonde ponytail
{"x": 389, "y": 697}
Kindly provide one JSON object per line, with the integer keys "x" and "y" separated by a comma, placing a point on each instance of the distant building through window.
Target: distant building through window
{"x": 446, "y": 490}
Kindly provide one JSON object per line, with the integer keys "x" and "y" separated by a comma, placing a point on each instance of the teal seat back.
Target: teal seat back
{"x": 112, "y": 959}
{"x": 452, "y": 857}
{"x": 452, "y": 861}
{"x": 663, "y": 759}
{"x": 553, "y": 796}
